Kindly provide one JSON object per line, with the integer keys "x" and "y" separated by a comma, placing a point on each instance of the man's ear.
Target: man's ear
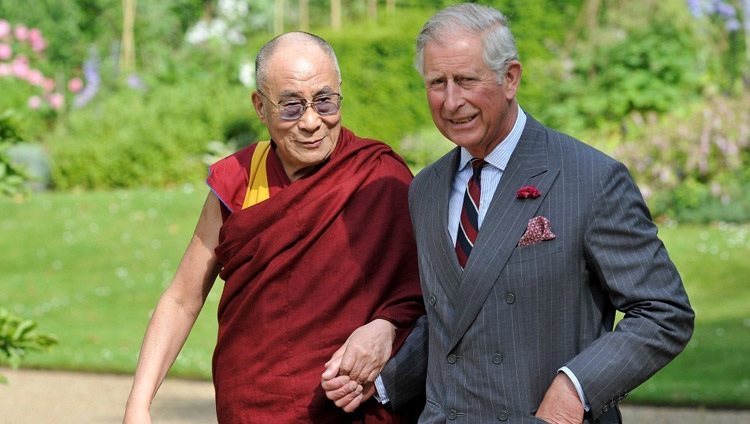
{"x": 512, "y": 79}
{"x": 258, "y": 104}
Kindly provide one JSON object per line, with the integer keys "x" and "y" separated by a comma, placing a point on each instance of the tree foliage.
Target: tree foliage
{"x": 592, "y": 68}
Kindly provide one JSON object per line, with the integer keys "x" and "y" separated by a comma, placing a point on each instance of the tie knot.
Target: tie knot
{"x": 476, "y": 165}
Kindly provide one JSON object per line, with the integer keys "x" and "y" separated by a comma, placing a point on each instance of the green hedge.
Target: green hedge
{"x": 156, "y": 138}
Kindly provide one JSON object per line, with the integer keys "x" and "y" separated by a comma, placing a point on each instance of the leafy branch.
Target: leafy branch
{"x": 18, "y": 337}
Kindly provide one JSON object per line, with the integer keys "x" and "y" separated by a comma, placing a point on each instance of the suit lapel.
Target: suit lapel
{"x": 504, "y": 224}
{"x": 444, "y": 255}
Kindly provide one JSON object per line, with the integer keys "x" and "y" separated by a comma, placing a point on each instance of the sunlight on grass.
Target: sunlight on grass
{"x": 89, "y": 268}
{"x": 714, "y": 369}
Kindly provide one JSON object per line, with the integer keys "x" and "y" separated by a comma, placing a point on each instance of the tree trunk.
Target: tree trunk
{"x": 278, "y": 17}
{"x": 390, "y": 7}
{"x": 336, "y": 14}
{"x": 372, "y": 9}
{"x": 304, "y": 15}
{"x": 127, "y": 47}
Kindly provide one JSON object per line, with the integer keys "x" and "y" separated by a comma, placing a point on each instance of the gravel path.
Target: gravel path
{"x": 52, "y": 397}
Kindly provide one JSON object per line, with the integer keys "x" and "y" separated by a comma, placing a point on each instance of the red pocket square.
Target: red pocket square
{"x": 537, "y": 230}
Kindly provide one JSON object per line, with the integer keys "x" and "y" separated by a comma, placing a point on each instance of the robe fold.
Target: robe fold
{"x": 303, "y": 269}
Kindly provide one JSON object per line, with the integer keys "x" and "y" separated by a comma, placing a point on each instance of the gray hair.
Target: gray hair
{"x": 498, "y": 46}
{"x": 268, "y": 50}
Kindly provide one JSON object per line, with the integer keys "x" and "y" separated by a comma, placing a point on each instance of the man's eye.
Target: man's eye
{"x": 291, "y": 103}
{"x": 322, "y": 99}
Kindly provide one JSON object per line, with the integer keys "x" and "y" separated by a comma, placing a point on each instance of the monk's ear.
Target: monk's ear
{"x": 258, "y": 104}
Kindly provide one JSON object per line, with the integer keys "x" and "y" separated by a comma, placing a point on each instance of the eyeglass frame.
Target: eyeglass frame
{"x": 306, "y": 104}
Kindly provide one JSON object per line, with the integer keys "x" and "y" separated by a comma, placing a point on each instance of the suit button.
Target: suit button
{"x": 433, "y": 299}
{"x": 452, "y": 358}
{"x": 502, "y": 415}
{"x": 510, "y": 298}
{"x": 452, "y": 414}
{"x": 497, "y": 358}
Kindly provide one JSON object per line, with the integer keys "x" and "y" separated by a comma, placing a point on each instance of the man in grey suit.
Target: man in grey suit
{"x": 558, "y": 239}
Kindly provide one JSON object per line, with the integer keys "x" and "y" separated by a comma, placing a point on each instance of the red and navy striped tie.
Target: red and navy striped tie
{"x": 468, "y": 226}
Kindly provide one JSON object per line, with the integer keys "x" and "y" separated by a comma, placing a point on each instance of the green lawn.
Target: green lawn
{"x": 89, "y": 268}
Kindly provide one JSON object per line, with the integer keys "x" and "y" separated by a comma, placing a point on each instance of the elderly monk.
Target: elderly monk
{"x": 311, "y": 233}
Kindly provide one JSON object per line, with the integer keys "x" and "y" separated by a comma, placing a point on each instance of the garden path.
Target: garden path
{"x": 43, "y": 397}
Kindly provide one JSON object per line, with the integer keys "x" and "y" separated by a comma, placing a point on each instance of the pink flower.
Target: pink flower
{"x": 20, "y": 67}
{"x": 4, "y": 28}
{"x": 35, "y": 34}
{"x": 528, "y": 191}
{"x": 38, "y": 45}
{"x": 75, "y": 85}
{"x": 35, "y": 77}
{"x": 49, "y": 85}
{"x": 21, "y": 32}
{"x": 5, "y": 51}
{"x": 56, "y": 101}
{"x": 5, "y": 70}
{"x": 35, "y": 102}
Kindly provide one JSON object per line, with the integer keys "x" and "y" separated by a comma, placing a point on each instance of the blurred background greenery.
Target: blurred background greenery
{"x": 110, "y": 111}
{"x": 123, "y": 94}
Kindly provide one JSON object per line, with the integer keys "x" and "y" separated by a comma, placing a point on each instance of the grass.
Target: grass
{"x": 714, "y": 369}
{"x": 89, "y": 268}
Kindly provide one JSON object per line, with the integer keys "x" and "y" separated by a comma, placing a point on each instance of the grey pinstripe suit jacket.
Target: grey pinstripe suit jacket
{"x": 496, "y": 334}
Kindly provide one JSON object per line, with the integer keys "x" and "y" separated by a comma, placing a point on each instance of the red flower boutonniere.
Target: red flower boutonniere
{"x": 526, "y": 192}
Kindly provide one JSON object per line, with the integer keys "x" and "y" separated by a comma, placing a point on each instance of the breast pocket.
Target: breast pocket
{"x": 536, "y": 251}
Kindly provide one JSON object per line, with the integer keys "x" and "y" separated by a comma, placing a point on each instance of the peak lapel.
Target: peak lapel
{"x": 443, "y": 256}
{"x": 503, "y": 226}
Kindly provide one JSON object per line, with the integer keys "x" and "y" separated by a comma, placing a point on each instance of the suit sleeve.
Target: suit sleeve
{"x": 404, "y": 376}
{"x": 625, "y": 255}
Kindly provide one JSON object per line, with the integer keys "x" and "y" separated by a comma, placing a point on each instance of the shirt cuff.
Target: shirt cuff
{"x": 380, "y": 393}
{"x": 577, "y": 384}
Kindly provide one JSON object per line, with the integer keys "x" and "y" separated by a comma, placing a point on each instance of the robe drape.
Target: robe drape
{"x": 321, "y": 257}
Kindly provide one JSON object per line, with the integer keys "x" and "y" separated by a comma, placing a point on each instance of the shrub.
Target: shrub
{"x": 154, "y": 138}
{"x": 692, "y": 165}
{"x": 12, "y": 176}
{"x": 18, "y": 337}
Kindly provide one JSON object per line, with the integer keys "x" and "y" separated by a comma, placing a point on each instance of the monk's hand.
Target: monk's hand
{"x": 561, "y": 403}
{"x": 366, "y": 351}
{"x": 344, "y": 392}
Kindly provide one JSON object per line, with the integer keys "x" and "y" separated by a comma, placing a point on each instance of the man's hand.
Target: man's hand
{"x": 561, "y": 404}
{"x": 365, "y": 352}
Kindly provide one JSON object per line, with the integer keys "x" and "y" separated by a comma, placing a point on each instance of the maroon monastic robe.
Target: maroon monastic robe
{"x": 321, "y": 257}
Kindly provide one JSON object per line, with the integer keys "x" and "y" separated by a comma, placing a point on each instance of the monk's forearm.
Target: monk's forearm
{"x": 166, "y": 333}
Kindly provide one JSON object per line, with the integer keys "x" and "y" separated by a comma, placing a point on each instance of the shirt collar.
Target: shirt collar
{"x": 500, "y": 155}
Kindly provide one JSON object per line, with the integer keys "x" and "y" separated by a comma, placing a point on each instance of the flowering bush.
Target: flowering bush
{"x": 725, "y": 54}
{"x": 692, "y": 166}
{"x": 21, "y": 59}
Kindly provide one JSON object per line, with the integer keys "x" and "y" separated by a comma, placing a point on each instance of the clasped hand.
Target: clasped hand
{"x": 350, "y": 373}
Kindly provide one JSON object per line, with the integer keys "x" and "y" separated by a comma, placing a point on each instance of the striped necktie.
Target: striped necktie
{"x": 468, "y": 226}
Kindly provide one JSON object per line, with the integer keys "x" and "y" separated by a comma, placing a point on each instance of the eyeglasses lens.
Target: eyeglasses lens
{"x": 323, "y": 106}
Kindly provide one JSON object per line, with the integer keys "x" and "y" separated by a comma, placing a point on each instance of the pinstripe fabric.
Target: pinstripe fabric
{"x": 499, "y": 331}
